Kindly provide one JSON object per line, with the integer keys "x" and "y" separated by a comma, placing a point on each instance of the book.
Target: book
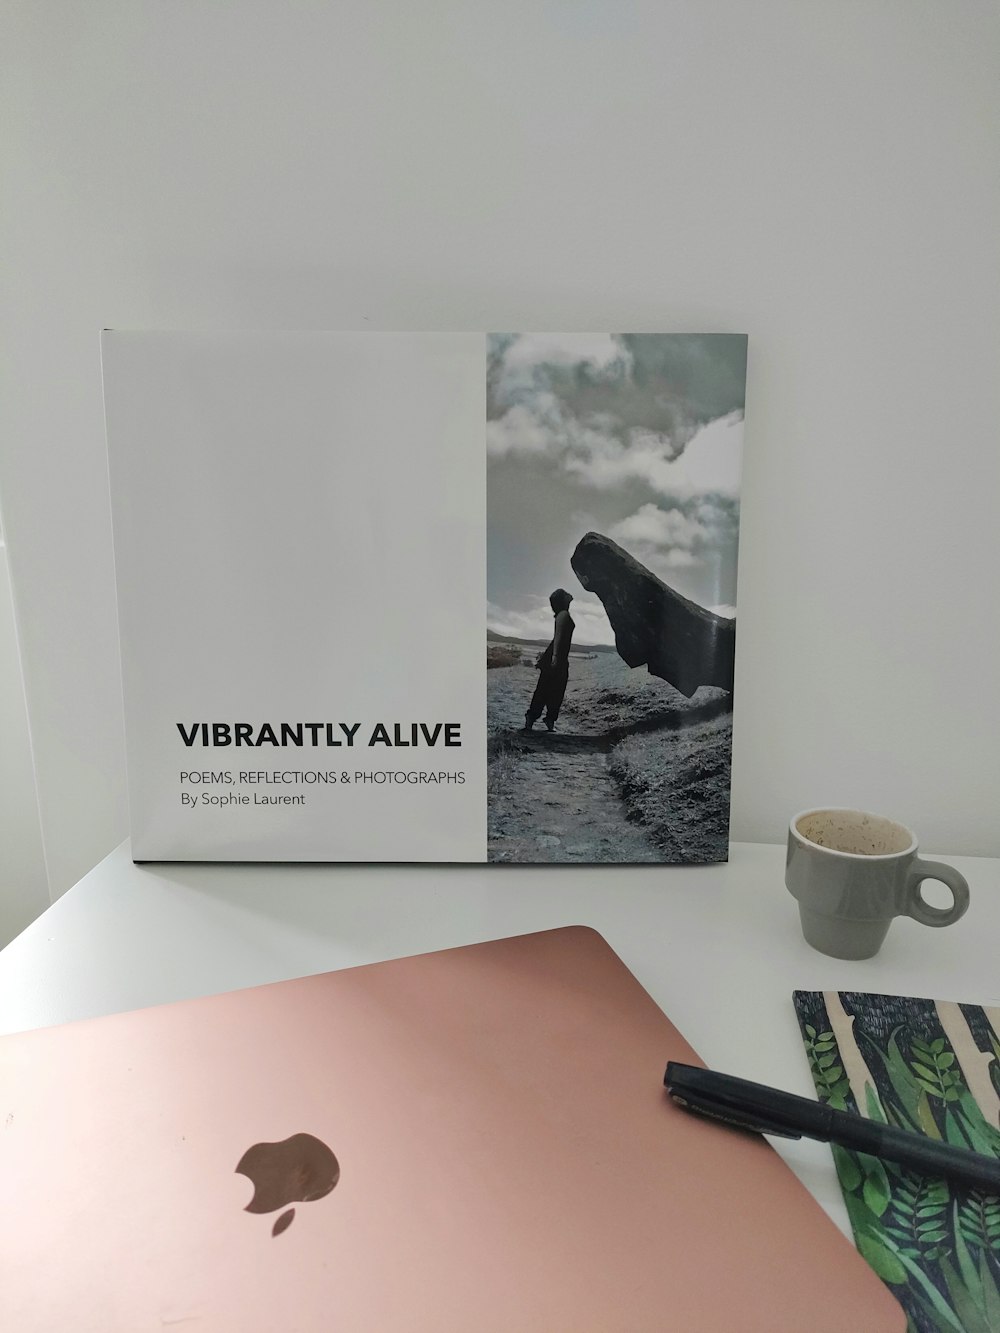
{"x": 426, "y": 596}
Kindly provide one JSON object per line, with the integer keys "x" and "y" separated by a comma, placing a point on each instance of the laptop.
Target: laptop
{"x": 470, "y": 1141}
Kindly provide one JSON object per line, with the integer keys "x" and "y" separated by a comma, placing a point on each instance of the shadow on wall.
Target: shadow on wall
{"x": 24, "y": 889}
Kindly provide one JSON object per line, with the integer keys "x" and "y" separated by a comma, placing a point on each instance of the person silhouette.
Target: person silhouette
{"x": 553, "y": 665}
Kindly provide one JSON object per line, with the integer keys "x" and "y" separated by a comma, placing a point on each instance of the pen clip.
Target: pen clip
{"x": 685, "y": 1086}
{"x": 728, "y": 1115}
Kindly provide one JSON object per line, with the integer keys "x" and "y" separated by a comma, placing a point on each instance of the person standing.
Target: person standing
{"x": 553, "y": 665}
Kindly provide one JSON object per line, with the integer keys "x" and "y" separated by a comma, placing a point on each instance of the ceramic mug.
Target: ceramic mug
{"x": 852, "y": 872}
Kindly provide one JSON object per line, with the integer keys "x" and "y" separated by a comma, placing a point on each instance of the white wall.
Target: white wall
{"x": 24, "y": 889}
{"x": 823, "y": 177}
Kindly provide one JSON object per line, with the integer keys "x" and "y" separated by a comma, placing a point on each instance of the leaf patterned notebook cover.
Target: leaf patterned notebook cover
{"x": 933, "y": 1067}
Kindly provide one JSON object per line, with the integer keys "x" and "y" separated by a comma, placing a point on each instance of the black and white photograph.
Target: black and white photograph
{"x": 614, "y": 465}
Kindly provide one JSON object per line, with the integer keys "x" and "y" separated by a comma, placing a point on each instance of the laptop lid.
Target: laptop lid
{"x": 472, "y": 1139}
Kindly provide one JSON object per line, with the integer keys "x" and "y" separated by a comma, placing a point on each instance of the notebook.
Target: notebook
{"x": 472, "y": 1139}
{"x": 931, "y": 1067}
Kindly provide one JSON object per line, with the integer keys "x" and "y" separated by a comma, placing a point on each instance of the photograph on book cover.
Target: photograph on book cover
{"x": 613, "y": 502}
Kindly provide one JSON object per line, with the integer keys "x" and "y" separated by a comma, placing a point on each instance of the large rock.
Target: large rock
{"x": 676, "y": 639}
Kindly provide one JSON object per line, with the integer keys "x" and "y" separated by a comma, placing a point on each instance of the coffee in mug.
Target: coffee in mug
{"x": 852, "y": 872}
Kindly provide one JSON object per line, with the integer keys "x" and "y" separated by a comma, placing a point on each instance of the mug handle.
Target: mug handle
{"x": 923, "y": 911}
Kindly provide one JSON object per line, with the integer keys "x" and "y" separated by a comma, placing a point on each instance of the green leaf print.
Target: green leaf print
{"x": 885, "y": 1263}
{"x": 935, "y": 1244}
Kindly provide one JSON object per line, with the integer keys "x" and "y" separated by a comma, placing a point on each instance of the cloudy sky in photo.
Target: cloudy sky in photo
{"x": 636, "y": 436}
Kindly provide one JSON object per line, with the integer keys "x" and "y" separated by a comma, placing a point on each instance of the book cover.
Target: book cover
{"x": 930, "y": 1067}
{"x": 425, "y": 596}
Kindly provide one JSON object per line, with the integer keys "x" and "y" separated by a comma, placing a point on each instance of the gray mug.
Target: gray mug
{"x": 853, "y": 872}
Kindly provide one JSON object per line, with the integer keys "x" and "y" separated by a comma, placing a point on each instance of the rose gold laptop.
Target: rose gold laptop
{"x": 462, "y": 1142}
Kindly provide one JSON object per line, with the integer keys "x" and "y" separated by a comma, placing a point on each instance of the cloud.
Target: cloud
{"x": 710, "y": 464}
{"x": 653, "y": 526}
{"x": 664, "y": 412}
{"x": 679, "y": 559}
{"x": 597, "y": 350}
{"x": 542, "y": 427}
{"x": 519, "y": 431}
{"x": 687, "y": 536}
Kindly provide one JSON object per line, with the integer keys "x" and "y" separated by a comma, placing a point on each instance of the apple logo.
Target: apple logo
{"x": 296, "y": 1170}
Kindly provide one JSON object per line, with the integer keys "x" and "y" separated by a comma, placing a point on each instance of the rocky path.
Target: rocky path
{"x": 561, "y": 804}
{"x": 552, "y": 797}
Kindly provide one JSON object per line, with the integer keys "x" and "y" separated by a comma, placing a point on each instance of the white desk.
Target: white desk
{"x": 718, "y": 947}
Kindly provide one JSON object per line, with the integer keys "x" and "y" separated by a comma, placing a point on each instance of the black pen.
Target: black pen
{"x": 766, "y": 1110}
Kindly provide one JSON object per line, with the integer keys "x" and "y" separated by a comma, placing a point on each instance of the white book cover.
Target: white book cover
{"x": 425, "y": 596}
